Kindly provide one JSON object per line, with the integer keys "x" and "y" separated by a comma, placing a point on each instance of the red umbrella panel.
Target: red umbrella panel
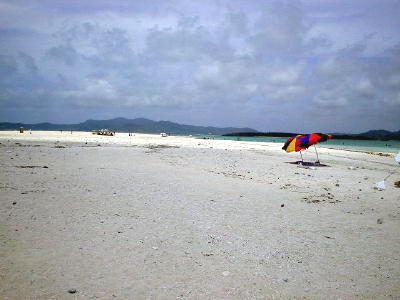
{"x": 302, "y": 142}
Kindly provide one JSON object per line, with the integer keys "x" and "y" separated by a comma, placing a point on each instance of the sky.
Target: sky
{"x": 311, "y": 65}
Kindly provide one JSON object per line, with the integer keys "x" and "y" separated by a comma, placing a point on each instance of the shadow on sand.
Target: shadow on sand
{"x": 307, "y": 163}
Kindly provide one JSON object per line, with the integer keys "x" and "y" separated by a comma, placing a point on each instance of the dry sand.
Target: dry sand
{"x": 146, "y": 217}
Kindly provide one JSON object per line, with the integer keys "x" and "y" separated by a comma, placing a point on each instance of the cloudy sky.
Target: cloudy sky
{"x": 312, "y": 65}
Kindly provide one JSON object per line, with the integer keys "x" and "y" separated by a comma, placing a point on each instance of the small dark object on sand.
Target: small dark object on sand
{"x": 32, "y": 167}
{"x": 379, "y": 221}
{"x": 397, "y": 183}
{"x": 15, "y": 202}
{"x": 282, "y": 205}
{"x": 72, "y": 291}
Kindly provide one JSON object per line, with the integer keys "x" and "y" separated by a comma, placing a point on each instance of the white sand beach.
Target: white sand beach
{"x": 148, "y": 217}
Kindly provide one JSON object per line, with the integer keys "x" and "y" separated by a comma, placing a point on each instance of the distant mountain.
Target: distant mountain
{"x": 128, "y": 125}
{"x": 382, "y": 134}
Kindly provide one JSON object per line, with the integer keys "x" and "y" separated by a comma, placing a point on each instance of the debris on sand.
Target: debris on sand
{"x": 159, "y": 146}
{"x": 156, "y": 148}
{"x": 380, "y": 185}
{"x": 378, "y": 153}
{"x": 103, "y": 132}
{"x": 32, "y": 167}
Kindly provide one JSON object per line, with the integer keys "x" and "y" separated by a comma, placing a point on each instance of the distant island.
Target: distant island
{"x": 140, "y": 125}
{"x": 384, "y": 135}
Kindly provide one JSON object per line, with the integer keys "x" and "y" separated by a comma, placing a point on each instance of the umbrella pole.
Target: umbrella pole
{"x": 316, "y": 153}
{"x": 301, "y": 157}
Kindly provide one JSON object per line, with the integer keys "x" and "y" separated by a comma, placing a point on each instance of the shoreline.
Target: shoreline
{"x": 123, "y": 138}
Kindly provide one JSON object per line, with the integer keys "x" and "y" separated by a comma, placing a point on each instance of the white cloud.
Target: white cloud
{"x": 283, "y": 74}
{"x": 331, "y": 102}
{"x": 90, "y": 93}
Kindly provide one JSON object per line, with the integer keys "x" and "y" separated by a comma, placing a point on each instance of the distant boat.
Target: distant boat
{"x": 163, "y": 134}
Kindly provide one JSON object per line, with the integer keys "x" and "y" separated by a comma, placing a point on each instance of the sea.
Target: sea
{"x": 391, "y": 146}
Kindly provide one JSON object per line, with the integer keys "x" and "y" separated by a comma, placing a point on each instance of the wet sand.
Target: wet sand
{"x": 150, "y": 217}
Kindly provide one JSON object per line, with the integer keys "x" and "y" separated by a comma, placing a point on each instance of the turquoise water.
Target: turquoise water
{"x": 373, "y": 146}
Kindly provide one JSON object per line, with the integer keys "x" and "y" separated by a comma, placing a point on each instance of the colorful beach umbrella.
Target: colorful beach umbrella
{"x": 302, "y": 142}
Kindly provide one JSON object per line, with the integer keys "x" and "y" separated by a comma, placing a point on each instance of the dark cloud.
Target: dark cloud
{"x": 28, "y": 62}
{"x": 63, "y": 53}
{"x": 8, "y": 65}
